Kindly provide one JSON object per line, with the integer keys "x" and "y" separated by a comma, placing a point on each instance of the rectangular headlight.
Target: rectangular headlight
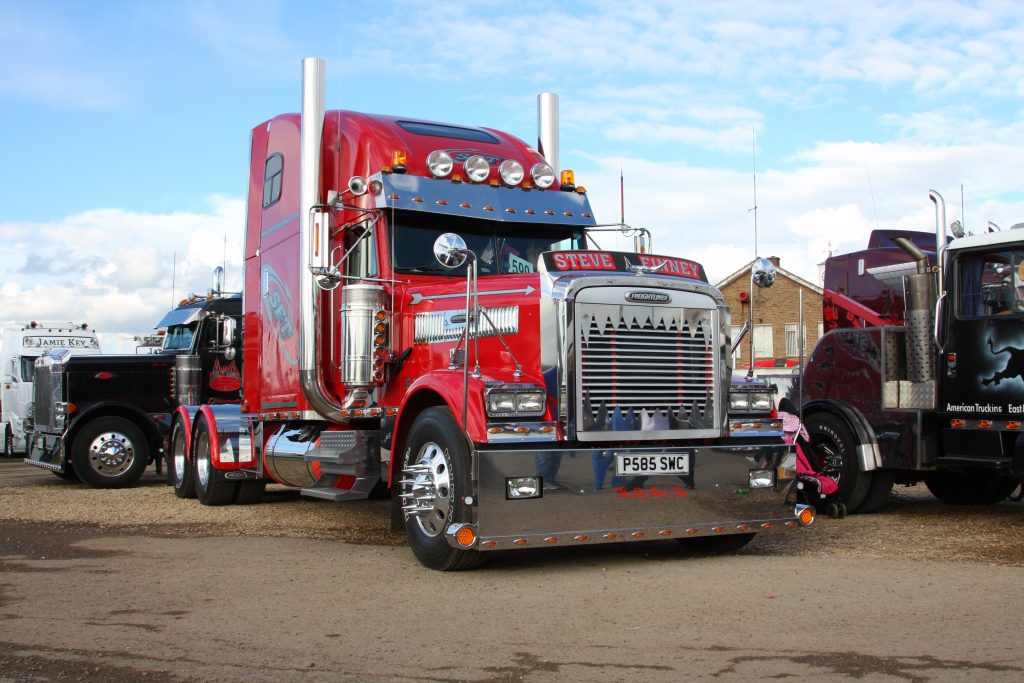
{"x": 761, "y": 402}
{"x": 501, "y": 402}
{"x": 530, "y": 403}
{"x": 515, "y": 400}
{"x": 739, "y": 401}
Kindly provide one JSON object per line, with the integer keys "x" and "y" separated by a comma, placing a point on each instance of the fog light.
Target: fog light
{"x": 477, "y": 169}
{"x": 522, "y": 487}
{"x": 762, "y": 479}
{"x": 543, "y": 175}
{"x": 440, "y": 163}
{"x": 511, "y": 172}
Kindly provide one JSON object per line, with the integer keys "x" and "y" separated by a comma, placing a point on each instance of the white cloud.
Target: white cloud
{"x": 117, "y": 270}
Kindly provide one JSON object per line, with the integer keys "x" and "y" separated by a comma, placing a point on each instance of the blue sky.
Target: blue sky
{"x": 126, "y": 124}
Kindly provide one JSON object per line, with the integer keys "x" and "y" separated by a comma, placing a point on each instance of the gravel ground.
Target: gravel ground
{"x": 914, "y": 526}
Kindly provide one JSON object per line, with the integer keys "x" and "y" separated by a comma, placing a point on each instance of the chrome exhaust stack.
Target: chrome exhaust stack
{"x": 313, "y": 229}
{"x": 919, "y": 311}
{"x": 547, "y": 128}
{"x": 940, "y": 233}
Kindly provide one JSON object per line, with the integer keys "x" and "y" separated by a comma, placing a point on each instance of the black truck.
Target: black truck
{"x": 103, "y": 419}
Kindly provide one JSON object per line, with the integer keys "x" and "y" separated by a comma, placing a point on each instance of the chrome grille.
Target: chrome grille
{"x": 47, "y": 390}
{"x": 646, "y": 370}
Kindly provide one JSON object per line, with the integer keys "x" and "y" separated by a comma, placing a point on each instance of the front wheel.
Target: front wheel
{"x": 110, "y": 453}
{"x": 211, "y": 486}
{"x": 836, "y": 449}
{"x": 435, "y": 477}
{"x": 8, "y": 443}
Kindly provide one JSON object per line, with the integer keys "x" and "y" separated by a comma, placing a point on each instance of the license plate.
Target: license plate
{"x": 658, "y": 463}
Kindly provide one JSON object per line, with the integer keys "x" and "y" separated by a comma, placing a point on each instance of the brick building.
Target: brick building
{"x": 777, "y": 313}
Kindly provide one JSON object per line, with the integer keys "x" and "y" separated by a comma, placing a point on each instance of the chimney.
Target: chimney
{"x": 774, "y": 260}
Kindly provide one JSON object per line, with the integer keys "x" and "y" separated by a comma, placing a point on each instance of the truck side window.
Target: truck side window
{"x": 272, "y": 174}
{"x": 362, "y": 262}
{"x": 28, "y": 368}
{"x": 992, "y": 283}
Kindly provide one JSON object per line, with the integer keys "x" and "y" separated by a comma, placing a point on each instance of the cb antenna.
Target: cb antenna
{"x": 622, "y": 197}
{"x": 871, "y": 191}
{"x": 753, "y": 154}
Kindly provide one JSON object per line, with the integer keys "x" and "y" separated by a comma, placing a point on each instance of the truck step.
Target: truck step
{"x": 974, "y": 463}
{"x": 325, "y": 489}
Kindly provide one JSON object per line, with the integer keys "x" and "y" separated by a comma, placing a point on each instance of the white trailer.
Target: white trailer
{"x": 21, "y": 343}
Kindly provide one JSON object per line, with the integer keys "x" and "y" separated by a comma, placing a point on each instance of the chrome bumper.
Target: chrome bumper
{"x": 587, "y": 503}
{"x": 46, "y": 451}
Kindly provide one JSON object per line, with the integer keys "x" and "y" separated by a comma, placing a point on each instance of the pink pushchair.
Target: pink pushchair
{"x": 812, "y": 485}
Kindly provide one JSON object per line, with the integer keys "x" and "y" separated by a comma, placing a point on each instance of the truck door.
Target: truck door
{"x": 221, "y": 378}
{"x": 983, "y": 360}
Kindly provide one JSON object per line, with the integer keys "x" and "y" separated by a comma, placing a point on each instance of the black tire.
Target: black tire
{"x": 110, "y": 453}
{"x": 179, "y": 468}
{"x": 964, "y": 488}
{"x": 877, "y": 498}
{"x": 8, "y": 442}
{"x": 211, "y": 486}
{"x": 250, "y": 492}
{"x": 1007, "y": 485}
{"x": 836, "y": 448}
{"x": 435, "y": 470}
{"x": 716, "y": 544}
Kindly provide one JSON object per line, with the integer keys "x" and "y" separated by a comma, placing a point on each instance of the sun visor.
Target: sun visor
{"x": 180, "y": 316}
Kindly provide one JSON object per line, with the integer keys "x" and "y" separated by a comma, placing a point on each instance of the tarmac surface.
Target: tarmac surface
{"x": 137, "y": 585}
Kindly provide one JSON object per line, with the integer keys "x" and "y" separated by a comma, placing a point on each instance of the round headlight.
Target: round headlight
{"x": 477, "y": 168}
{"x": 440, "y": 163}
{"x": 511, "y": 172}
{"x": 543, "y": 175}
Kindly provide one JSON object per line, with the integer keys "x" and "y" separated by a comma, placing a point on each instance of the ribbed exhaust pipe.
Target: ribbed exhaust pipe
{"x": 312, "y": 248}
{"x": 547, "y": 128}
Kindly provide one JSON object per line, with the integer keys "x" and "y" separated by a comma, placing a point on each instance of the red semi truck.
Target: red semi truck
{"x": 423, "y": 311}
{"x": 919, "y": 376}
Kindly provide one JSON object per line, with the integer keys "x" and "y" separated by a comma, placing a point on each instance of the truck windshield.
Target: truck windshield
{"x": 500, "y": 247}
{"x": 179, "y": 337}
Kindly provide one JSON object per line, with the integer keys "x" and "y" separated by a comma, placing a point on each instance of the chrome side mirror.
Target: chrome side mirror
{"x": 762, "y": 273}
{"x": 450, "y": 250}
{"x": 224, "y": 334}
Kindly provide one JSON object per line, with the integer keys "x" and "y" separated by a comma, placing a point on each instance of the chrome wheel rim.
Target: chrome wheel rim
{"x": 179, "y": 458}
{"x": 111, "y": 453}
{"x": 202, "y": 455}
{"x": 427, "y": 494}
